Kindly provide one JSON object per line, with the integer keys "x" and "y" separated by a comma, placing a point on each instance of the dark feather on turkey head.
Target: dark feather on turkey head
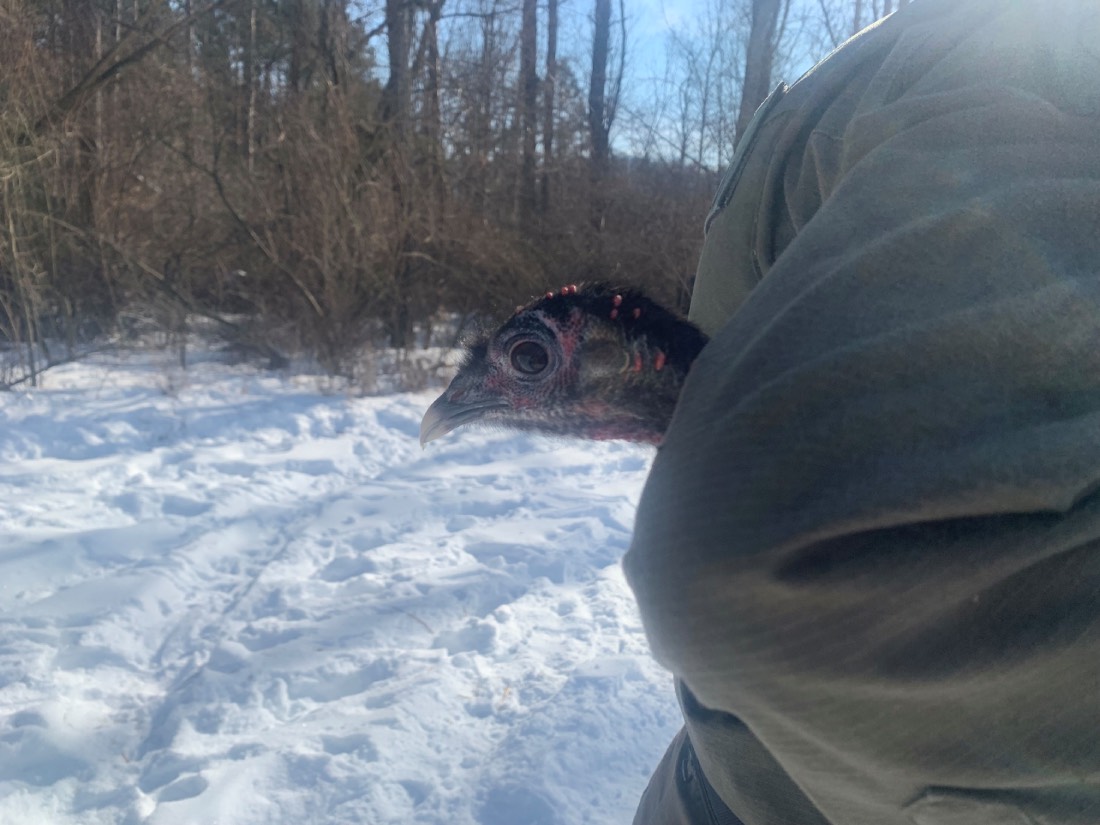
{"x": 592, "y": 362}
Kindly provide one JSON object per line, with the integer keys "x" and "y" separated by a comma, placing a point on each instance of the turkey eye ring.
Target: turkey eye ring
{"x": 529, "y": 358}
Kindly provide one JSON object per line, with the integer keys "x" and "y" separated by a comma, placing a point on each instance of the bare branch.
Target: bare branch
{"x": 110, "y": 65}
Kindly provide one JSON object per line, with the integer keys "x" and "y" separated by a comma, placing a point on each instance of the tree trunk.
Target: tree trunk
{"x": 548, "y": 100}
{"x": 99, "y": 105}
{"x": 433, "y": 126}
{"x": 597, "y": 93}
{"x": 332, "y": 39}
{"x": 299, "y": 47}
{"x": 395, "y": 95}
{"x": 481, "y": 114}
{"x": 250, "y": 81}
{"x": 759, "y": 57}
{"x": 528, "y": 111}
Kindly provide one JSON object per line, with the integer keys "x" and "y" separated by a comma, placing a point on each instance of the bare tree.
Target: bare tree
{"x": 318, "y": 175}
{"x": 528, "y": 111}
{"x": 759, "y": 59}
{"x": 598, "y": 125}
{"x": 250, "y": 87}
{"x": 603, "y": 99}
{"x": 432, "y": 116}
{"x": 837, "y": 20}
{"x": 548, "y": 88}
{"x": 396, "y": 94}
{"x": 704, "y": 84}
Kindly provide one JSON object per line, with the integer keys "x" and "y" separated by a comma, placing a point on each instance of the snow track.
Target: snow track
{"x": 247, "y": 602}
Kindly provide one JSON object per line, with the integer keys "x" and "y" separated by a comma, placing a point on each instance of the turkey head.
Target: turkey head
{"x": 593, "y": 362}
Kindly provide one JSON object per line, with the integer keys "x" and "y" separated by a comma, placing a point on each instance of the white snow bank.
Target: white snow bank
{"x": 242, "y": 601}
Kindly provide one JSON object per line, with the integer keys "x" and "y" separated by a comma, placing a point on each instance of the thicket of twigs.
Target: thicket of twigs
{"x": 313, "y": 177}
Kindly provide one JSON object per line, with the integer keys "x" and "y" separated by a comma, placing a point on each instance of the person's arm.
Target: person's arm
{"x": 872, "y": 535}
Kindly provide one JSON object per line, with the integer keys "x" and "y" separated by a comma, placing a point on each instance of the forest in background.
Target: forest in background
{"x": 317, "y": 178}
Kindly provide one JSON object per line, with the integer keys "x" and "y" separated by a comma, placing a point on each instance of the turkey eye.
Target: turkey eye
{"x": 529, "y": 358}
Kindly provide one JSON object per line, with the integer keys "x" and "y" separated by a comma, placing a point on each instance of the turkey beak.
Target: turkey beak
{"x": 458, "y": 405}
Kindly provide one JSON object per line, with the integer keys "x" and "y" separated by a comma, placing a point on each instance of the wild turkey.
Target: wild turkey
{"x": 593, "y": 362}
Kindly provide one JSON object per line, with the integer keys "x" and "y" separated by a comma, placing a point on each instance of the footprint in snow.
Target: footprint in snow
{"x": 186, "y": 507}
{"x": 405, "y": 424}
{"x": 358, "y": 744}
{"x": 476, "y": 637}
{"x": 347, "y": 567}
{"x": 187, "y": 788}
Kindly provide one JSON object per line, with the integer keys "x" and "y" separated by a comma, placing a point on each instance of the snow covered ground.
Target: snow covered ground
{"x": 228, "y": 598}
